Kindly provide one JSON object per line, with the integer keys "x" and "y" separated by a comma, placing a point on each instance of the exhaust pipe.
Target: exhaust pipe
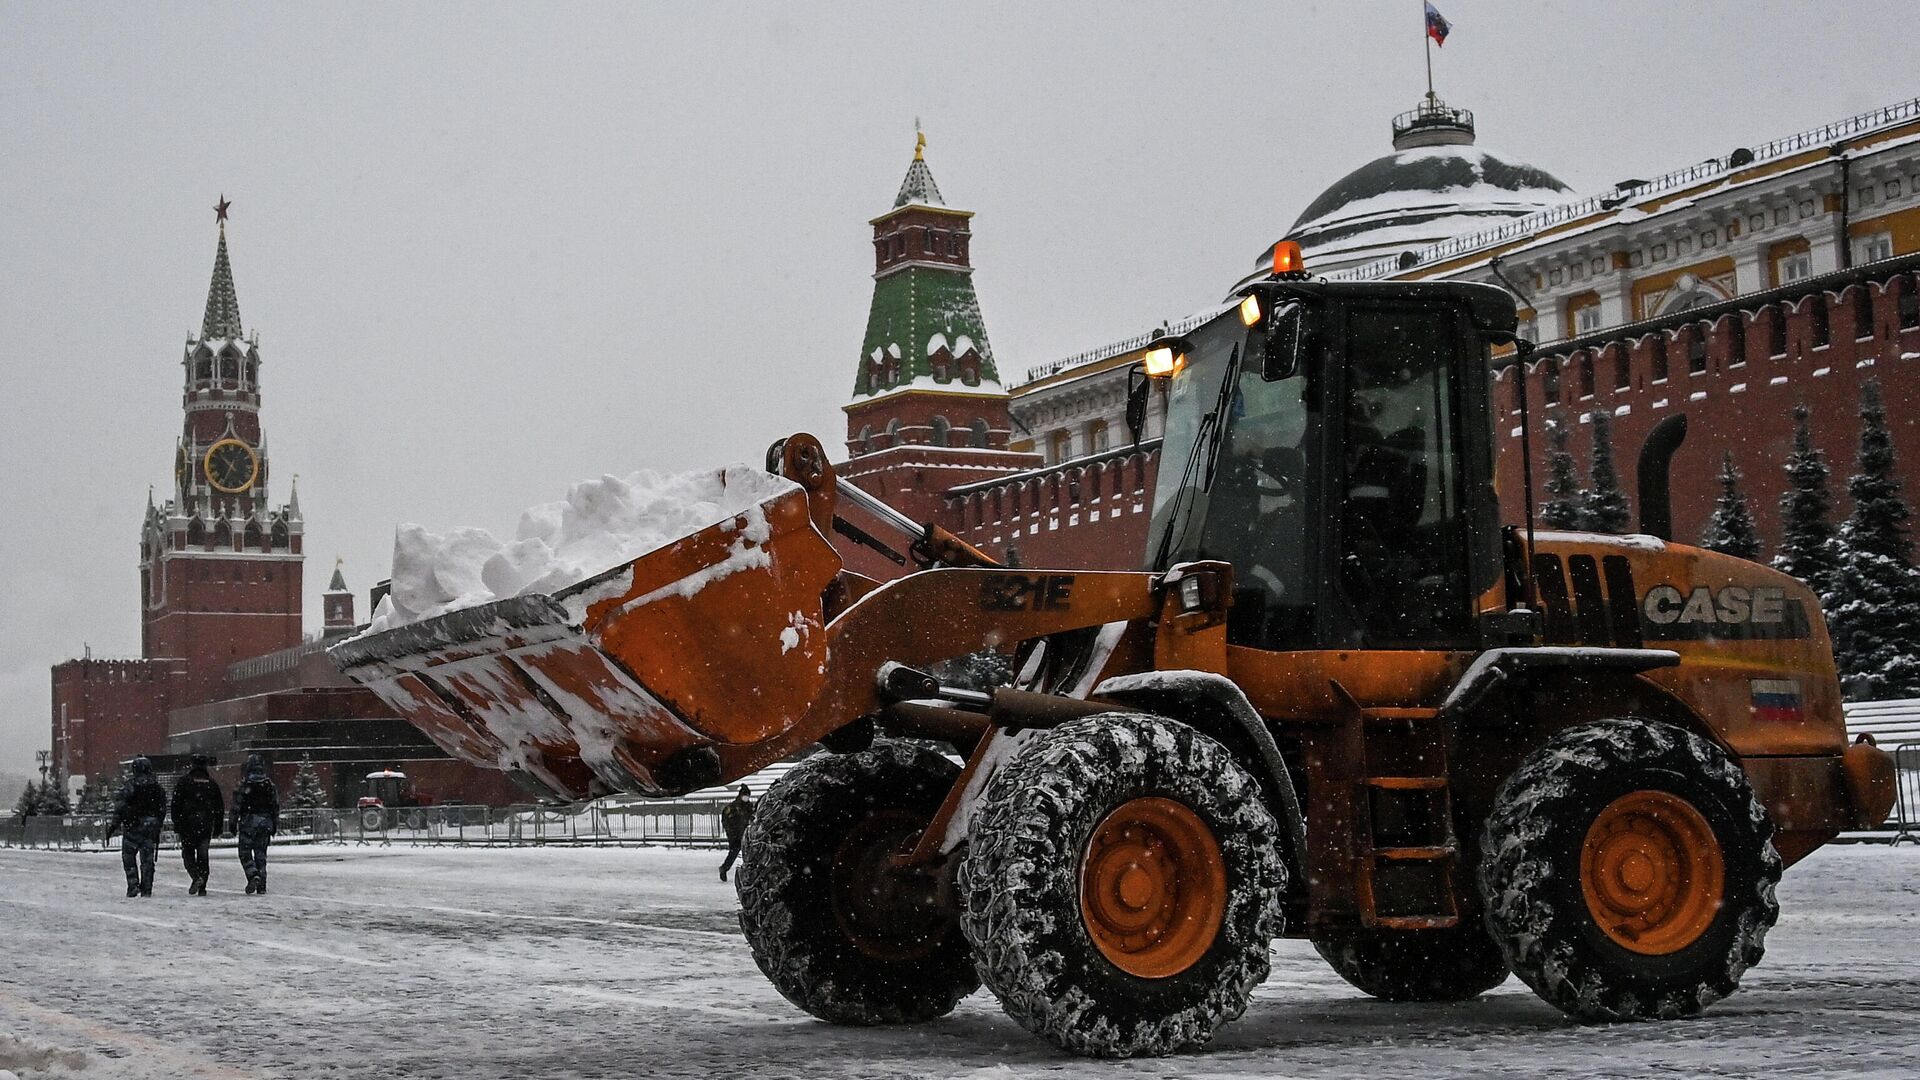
{"x": 1656, "y": 460}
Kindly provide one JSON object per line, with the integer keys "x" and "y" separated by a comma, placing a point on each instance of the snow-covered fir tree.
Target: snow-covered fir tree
{"x": 984, "y": 671}
{"x": 53, "y": 799}
{"x": 1603, "y": 506}
{"x": 307, "y": 793}
{"x": 29, "y": 802}
{"x": 1873, "y": 608}
{"x": 1561, "y": 510}
{"x": 1730, "y": 530}
{"x": 1807, "y": 546}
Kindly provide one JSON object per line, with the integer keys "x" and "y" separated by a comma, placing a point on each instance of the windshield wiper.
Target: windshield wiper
{"x": 1215, "y": 424}
{"x": 1206, "y": 439}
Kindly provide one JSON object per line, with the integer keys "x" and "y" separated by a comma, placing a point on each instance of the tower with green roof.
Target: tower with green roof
{"x": 926, "y": 373}
{"x": 928, "y": 412}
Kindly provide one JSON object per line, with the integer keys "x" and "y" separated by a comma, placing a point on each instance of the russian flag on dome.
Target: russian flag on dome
{"x": 1777, "y": 700}
{"x": 1437, "y": 26}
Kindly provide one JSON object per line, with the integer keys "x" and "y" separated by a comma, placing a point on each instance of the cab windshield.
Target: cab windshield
{"x": 1234, "y": 484}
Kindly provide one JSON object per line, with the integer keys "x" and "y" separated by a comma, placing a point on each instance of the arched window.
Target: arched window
{"x": 254, "y": 538}
{"x": 196, "y": 533}
{"x": 940, "y": 429}
{"x": 866, "y": 438}
{"x": 980, "y": 432}
{"x": 253, "y": 373}
{"x": 893, "y": 432}
{"x": 222, "y": 535}
{"x": 203, "y": 368}
{"x": 229, "y": 370}
{"x": 1059, "y": 447}
{"x": 281, "y": 538}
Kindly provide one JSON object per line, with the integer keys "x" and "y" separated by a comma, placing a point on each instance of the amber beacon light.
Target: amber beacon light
{"x": 1287, "y": 261}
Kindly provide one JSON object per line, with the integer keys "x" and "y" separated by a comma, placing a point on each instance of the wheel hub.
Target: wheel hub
{"x": 1153, "y": 887}
{"x": 888, "y": 912}
{"x": 1652, "y": 872}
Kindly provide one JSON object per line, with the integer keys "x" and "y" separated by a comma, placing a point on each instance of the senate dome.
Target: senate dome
{"x": 1436, "y": 185}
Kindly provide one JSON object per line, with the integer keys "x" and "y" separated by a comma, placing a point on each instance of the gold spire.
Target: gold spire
{"x": 919, "y": 141}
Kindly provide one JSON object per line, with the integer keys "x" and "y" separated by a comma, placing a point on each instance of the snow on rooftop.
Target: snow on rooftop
{"x": 928, "y": 382}
{"x": 599, "y": 525}
{"x": 1714, "y": 170}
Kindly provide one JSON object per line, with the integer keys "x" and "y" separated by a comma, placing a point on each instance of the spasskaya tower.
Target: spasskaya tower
{"x": 219, "y": 565}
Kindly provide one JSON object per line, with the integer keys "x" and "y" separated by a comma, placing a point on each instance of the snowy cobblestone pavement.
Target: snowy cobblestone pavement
{"x": 565, "y": 963}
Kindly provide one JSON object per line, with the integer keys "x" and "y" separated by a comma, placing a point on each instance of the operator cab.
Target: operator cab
{"x": 1332, "y": 441}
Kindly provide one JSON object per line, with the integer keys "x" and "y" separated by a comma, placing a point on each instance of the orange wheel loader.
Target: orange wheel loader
{"x": 1342, "y": 702}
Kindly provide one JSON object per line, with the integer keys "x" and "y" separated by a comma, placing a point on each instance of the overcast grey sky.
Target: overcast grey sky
{"x": 493, "y": 250}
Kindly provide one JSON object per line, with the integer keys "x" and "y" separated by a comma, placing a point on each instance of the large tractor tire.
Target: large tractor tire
{"x": 1417, "y": 965}
{"x": 1628, "y": 872}
{"x": 1121, "y": 885}
{"x": 836, "y": 928}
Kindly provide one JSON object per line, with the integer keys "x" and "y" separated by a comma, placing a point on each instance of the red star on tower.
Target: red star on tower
{"x": 220, "y": 209}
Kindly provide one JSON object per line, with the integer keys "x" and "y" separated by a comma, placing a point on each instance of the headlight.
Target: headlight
{"x": 1163, "y": 362}
{"x": 1192, "y": 593}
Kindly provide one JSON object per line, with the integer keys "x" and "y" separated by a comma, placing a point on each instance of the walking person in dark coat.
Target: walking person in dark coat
{"x": 256, "y": 817}
{"x": 734, "y": 820}
{"x": 139, "y": 812}
{"x": 198, "y": 810}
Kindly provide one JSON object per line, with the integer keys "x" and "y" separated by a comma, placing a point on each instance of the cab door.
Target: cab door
{"x": 1400, "y": 486}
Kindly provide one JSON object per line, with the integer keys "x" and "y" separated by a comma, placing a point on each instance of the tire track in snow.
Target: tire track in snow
{"x": 319, "y": 954}
{"x": 158, "y": 923}
{"x": 654, "y": 1001}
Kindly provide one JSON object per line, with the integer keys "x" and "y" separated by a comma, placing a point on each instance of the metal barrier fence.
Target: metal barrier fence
{"x": 1906, "y": 786}
{"x": 606, "y": 821}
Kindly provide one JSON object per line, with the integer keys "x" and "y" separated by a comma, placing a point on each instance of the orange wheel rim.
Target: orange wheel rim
{"x": 1153, "y": 888}
{"x": 1652, "y": 873}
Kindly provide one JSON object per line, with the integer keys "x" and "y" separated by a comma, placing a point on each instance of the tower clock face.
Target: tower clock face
{"x": 232, "y": 466}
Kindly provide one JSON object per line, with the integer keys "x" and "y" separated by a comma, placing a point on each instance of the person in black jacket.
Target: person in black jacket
{"x": 139, "y": 812}
{"x": 198, "y": 809}
{"x": 734, "y": 821}
{"x": 256, "y": 817}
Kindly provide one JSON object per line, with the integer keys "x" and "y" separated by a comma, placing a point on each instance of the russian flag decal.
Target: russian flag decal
{"x": 1777, "y": 700}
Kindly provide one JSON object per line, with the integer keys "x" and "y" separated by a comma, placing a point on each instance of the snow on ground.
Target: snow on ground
{"x": 428, "y": 963}
{"x": 599, "y": 525}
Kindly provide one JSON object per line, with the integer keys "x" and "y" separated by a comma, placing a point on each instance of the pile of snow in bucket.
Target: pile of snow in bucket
{"x": 599, "y": 525}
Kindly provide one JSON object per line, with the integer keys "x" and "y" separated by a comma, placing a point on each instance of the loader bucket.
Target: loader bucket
{"x": 627, "y": 680}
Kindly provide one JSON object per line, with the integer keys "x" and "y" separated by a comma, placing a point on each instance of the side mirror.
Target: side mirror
{"x": 1138, "y": 387}
{"x": 1281, "y": 341}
